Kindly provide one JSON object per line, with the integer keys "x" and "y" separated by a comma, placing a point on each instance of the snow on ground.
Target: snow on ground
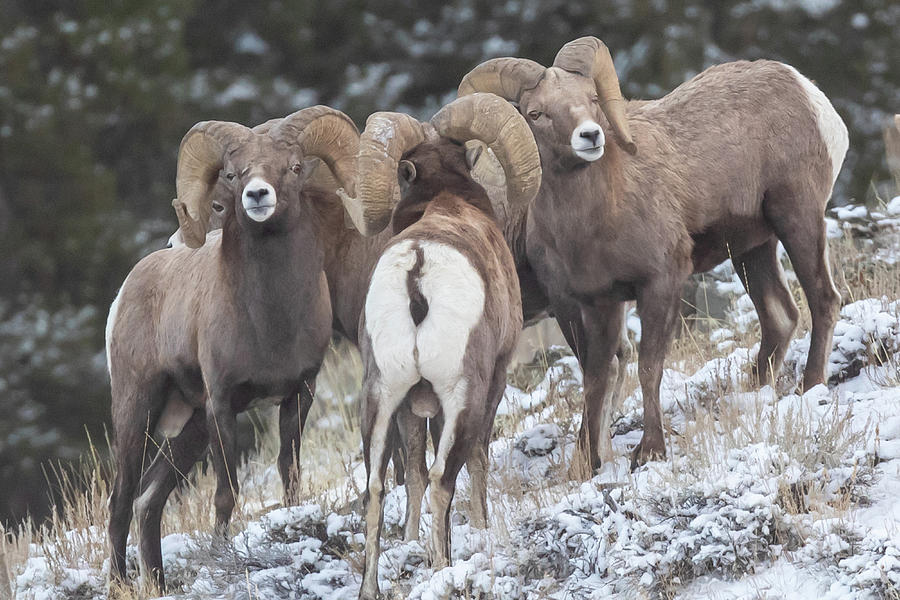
{"x": 763, "y": 495}
{"x": 878, "y": 230}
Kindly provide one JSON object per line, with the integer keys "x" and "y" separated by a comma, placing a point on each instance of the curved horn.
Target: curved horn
{"x": 386, "y": 138}
{"x": 506, "y": 77}
{"x": 590, "y": 57}
{"x": 265, "y": 126}
{"x": 321, "y": 174}
{"x": 325, "y": 133}
{"x": 497, "y": 123}
{"x": 200, "y": 158}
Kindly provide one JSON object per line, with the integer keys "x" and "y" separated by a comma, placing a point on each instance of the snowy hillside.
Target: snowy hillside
{"x": 765, "y": 493}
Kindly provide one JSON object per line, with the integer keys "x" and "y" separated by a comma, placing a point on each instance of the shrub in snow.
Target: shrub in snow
{"x": 868, "y": 332}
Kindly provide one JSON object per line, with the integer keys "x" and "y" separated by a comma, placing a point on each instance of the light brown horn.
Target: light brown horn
{"x": 498, "y": 124}
{"x": 325, "y": 133}
{"x": 590, "y": 57}
{"x": 200, "y": 158}
{"x": 265, "y": 126}
{"x": 321, "y": 175}
{"x": 386, "y": 138}
{"x": 506, "y": 77}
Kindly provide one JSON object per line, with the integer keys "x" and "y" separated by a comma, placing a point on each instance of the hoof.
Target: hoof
{"x": 647, "y": 451}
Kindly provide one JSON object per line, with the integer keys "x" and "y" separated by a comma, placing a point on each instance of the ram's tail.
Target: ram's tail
{"x": 418, "y": 305}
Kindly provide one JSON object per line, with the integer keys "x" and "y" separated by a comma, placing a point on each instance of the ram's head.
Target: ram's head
{"x": 396, "y": 148}
{"x": 257, "y": 175}
{"x": 566, "y": 105}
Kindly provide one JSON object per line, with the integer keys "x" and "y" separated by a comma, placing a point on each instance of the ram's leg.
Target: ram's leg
{"x": 291, "y": 422}
{"x": 596, "y": 331}
{"x": 412, "y": 429}
{"x": 800, "y": 226}
{"x": 220, "y": 422}
{"x": 658, "y": 304}
{"x": 131, "y": 428}
{"x": 624, "y": 355}
{"x": 381, "y": 403}
{"x": 458, "y": 434}
{"x": 478, "y": 463}
{"x": 763, "y": 278}
{"x": 603, "y": 325}
{"x": 398, "y": 461}
{"x": 173, "y": 462}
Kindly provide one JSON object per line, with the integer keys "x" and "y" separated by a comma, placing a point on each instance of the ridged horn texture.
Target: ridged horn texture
{"x": 590, "y": 57}
{"x": 325, "y": 133}
{"x": 200, "y": 159}
{"x": 321, "y": 175}
{"x": 386, "y": 138}
{"x": 506, "y": 77}
{"x": 498, "y": 124}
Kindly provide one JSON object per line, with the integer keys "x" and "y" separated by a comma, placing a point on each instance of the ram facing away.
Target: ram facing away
{"x": 728, "y": 164}
{"x": 443, "y": 310}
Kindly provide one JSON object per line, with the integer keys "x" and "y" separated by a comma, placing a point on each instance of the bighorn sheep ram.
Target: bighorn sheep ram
{"x": 741, "y": 156}
{"x": 443, "y": 310}
{"x": 197, "y": 333}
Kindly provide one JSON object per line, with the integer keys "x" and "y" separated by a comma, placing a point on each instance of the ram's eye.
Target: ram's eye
{"x": 534, "y": 115}
{"x": 296, "y": 168}
{"x": 229, "y": 176}
{"x": 597, "y": 99}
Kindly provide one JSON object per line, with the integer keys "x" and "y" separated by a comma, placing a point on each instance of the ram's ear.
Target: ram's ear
{"x": 473, "y": 153}
{"x": 406, "y": 174}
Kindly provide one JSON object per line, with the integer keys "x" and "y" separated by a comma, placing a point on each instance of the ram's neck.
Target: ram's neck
{"x": 514, "y": 232}
{"x": 275, "y": 279}
{"x": 576, "y": 196}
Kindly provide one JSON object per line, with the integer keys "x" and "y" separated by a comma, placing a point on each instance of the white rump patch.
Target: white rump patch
{"x": 261, "y": 207}
{"x": 388, "y": 321}
{"x": 455, "y": 295}
{"x": 588, "y": 148}
{"x": 831, "y": 127}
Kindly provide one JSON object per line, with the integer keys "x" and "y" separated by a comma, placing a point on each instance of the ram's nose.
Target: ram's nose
{"x": 588, "y": 141}
{"x": 592, "y": 135}
{"x": 258, "y": 199}
{"x": 258, "y": 193}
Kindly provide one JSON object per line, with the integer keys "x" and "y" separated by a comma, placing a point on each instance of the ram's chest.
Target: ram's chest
{"x": 266, "y": 356}
{"x": 569, "y": 257}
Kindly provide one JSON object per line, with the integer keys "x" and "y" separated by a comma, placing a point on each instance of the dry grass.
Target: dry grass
{"x": 331, "y": 456}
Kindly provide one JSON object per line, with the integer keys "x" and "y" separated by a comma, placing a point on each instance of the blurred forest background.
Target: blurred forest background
{"x": 96, "y": 95}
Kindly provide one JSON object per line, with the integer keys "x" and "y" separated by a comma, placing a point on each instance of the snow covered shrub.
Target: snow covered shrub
{"x": 867, "y": 333}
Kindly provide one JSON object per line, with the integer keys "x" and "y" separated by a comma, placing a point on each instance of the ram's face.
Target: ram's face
{"x": 265, "y": 178}
{"x": 564, "y": 113}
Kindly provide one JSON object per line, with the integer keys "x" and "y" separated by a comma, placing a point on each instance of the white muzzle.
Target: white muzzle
{"x": 588, "y": 141}
{"x": 258, "y": 199}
